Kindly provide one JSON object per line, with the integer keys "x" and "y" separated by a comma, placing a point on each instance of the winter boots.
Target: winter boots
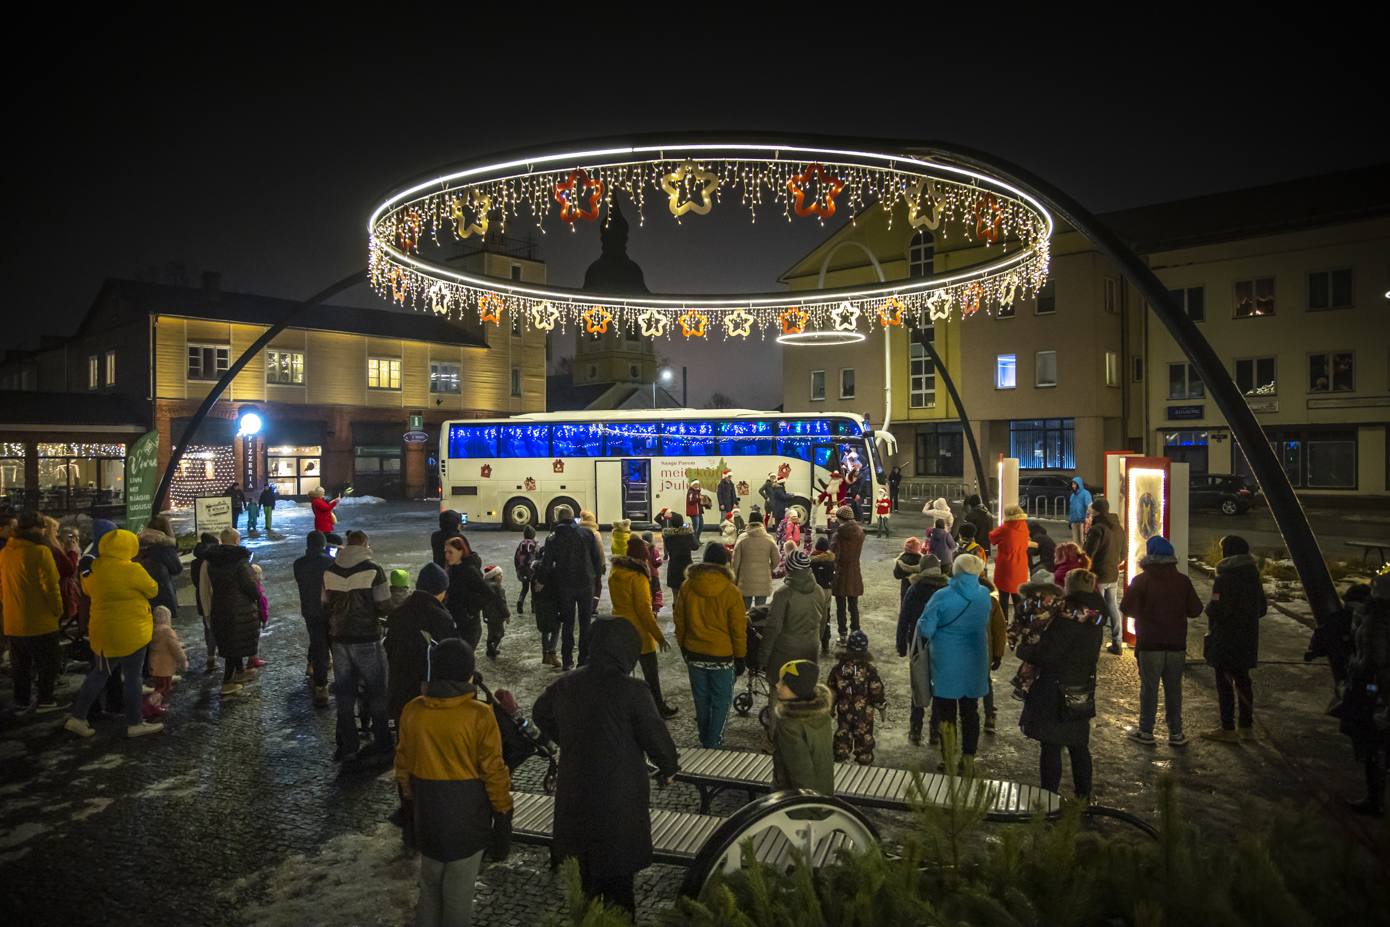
{"x": 320, "y": 696}
{"x": 914, "y": 733}
{"x": 550, "y": 659}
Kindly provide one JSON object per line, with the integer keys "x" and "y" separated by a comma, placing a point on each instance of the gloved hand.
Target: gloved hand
{"x": 995, "y": 663}
{"x": 501, "y": 845}
{"x": 739, "y": 666}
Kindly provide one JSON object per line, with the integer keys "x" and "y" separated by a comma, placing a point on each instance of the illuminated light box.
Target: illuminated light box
{"x": 1007, "y": 474}
{"x": 1153, "y": 501}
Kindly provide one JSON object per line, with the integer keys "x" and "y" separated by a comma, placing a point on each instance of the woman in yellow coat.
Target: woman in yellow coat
{"x": 629, "y": 586}
{"x": 119, "y": 630}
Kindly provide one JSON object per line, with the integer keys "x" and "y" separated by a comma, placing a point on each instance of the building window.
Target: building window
{"x": 383, "y": 373}
{"x": 1112, "y": 369}
{"x": 1138, "y": 370}
{"x": 1254, "y": 297}
{"x": 1183, "y": 382}
{"x": 207, "y": 361}
{"x": 1330, "y": 289}
{"x": 284, "y": 367}
{"x": 1313, "y": 458}
{"x": 516, "y": 271}
{"x": 93, "y": 372}
{"x": 921, "y": 370}
{"x": 940, "y": 450}
{"x": 516, "y": 381}
{"x": 631, "y": 334}
{"x": 444, "y": 378}
{"x": 921, "y": 254}
{"x": 110, "y": 368}
{"x": 516, "y": 325}
{"x": 1047, "y": 298}
{"x": 1005, "y": 371}
{"x": 847, "y": 383}
{"x": 1043, "y": 443}
{"x": 1331, "y": 372}
{"x": 593, "y": 371}
{"x": 1045, "y": 367}
{"x": 1112, "y": 297}
{"x": 1189, "y": 447}
{"x": 817, "y": 385}
{"x": 1192, "y": 301}
{"x": 1255, "y": 376}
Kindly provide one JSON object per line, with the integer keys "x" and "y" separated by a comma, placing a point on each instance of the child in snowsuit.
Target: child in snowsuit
{"x": 400, "y": 588}
{"x": 942, "y": 545}
{"x": 803, "y": 753}
{"x": 654, "y": 561}
{"x": 167, "y": 659}
{"x": 968, "y": 544}
{"x": 1035, "y": 614}
{"x": 728, "y": 532}
{"x": 524, "y": 561}
{"x": 858, "y": 691}
{"x": 495, "y": 613}
{"x": 883, "y": 507}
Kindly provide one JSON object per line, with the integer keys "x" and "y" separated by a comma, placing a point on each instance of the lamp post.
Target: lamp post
{"x": 248, "y": 427}
{"x": 665, "y": 378}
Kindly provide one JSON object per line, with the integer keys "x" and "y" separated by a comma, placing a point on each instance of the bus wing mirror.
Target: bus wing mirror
{"x": 887, "y": 442}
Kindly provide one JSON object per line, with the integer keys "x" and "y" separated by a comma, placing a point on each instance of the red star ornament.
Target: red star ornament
{"x": 596, "y": 320}
{"x": 571, "y": 193}
{"x": 988, "y": 214}
{"x": 970, "y": 300}
{"x": 692, "y": 324}
{"x": 793, "y": 321}
{"x": 890, "y": 313}
{"x": 490, "y": 308}
{"x": 830, "y": 184}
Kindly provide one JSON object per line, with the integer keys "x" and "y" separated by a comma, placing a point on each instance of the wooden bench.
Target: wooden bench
{"x": 1380, "y": 547}
{"x": 714, "y": 771}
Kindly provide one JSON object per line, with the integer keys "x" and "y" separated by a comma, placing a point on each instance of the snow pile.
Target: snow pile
{"x": 361, "y": 500}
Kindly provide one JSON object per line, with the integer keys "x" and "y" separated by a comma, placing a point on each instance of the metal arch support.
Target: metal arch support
{"x": 981, "y": 477}
{"x": 1284, "y": 504}
{"x": 216, "y": 392}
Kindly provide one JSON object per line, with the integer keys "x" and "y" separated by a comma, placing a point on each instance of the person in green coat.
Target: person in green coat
{"x": 803, "y": 754}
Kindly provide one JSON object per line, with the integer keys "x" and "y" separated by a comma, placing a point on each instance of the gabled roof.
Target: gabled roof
{"x": 191, "y": 302}
{"x": 32, "y": 407}
{"x": 1308, "y": 202}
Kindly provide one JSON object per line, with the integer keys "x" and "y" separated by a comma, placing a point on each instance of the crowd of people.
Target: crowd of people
{"x": 406, "y": 686}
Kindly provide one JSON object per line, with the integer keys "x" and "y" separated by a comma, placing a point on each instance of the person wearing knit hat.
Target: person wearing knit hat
{"x": 803, "y": 754}
{"x": 1160, "y": 600}
{"x": 847, "y": 545}
{"x": 1232, "y": 644}
{"x": 796, "y": 619}
{"x": 400, "y": 586}
{"x": 967, "y": 563}
{"x": 756, "y": 557}
{"x": 856, "y": 691}
{"x": 908, "y": 563}
{"x": 496, "y": 615}
{"x": 450, "y": 773}
{"x": 422, "y": 613}
{"x": 798, "y": 560}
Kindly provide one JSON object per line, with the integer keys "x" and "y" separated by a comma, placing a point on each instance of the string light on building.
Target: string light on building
{"x": 202, "y": 470}
{"x": 1011, "y": 228}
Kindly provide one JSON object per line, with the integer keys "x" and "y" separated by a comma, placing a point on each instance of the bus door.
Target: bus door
{"x": 637, "y": 489}
{"x": 825, "y": 458}
{"x": 608, "y": 490}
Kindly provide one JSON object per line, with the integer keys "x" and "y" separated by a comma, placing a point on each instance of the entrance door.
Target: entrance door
{"x": 637, "y": 490}
{"x": 608, "y": 491}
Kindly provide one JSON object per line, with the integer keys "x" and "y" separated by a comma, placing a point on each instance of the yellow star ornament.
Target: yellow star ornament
{"x": 673, "y": 184}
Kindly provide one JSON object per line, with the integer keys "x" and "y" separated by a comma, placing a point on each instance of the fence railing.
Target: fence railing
{"x": 924, "y": 492}
{"x": 1046, "y": 506}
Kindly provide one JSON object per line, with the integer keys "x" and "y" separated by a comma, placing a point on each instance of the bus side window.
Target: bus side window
{"x": 524, "y": 441}
{"x": 473, "y": 441}
{"x": 577, "y": 440}
{"x": 689, "y": 439}
{"x": 633, "y": 439}
{"x": 745, "y": 438}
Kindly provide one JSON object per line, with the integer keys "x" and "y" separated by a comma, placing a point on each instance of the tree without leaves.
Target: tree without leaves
{"x": 720, "y": 401}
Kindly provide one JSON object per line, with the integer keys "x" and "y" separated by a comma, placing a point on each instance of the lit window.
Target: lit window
{"x": 110, "y": 368}
{"x": 1255, "y": 376}
{"x": 1254, "y": 297}
{"x": 847, "y": 383}
{"x": 286, "y": 367}
{"x": 383, "y": 373}
{"x": 1043, "y": 443}
{"x": 1331, "y": 372}
{"x": 921, "y": 254}
{"x": 1112, "y": 369}
{"x": 1005, "y": 371}
{"x": 444, "y": 378}
{"x": 93, "y": 372}
{"x": 1045, "y": 366}
{"x": 1330, "y": 289}
{"x": 817, "y": 384}
{"x": 207, "y": 361}
{"x": 516, "y": 381}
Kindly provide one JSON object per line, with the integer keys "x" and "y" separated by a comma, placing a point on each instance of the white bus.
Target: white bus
{"x": 635, "y": 463}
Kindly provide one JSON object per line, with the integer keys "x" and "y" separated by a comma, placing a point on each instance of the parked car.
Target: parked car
{"x": 1039, "y": 495}
{"x": 1228, "y": 493}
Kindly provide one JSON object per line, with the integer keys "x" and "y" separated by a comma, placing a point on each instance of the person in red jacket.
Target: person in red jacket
{"x": 1160, "y": 600}
{"x": 1011, "y": 542}
{"x": 323, "y": 510}
{"x": 695, "y": 508}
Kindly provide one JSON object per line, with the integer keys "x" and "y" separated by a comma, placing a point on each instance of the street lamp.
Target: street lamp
{"x": 665, "y": 378}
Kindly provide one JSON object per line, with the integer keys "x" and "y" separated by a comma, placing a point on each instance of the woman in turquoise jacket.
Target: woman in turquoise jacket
{"x": 956, "y": 626}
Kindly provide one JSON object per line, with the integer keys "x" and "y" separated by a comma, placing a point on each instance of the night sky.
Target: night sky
{"x": 259, "y": 149}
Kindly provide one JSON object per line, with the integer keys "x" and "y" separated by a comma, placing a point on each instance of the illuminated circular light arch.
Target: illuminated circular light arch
{"x": 689, "y": 177}
{"x": 824, "y": 339}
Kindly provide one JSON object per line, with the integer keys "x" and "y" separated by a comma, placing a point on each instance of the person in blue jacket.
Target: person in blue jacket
{"x": 956, "y": 626}
{"x": 1080, "y": 502}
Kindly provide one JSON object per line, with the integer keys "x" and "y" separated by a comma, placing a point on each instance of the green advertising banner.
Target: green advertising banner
{"x": 141, "y": 477}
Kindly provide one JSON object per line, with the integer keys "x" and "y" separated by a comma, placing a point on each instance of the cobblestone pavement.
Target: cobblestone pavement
{"x": 236, "y": 814}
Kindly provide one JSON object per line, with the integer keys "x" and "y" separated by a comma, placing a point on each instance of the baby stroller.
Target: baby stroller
{"x": 521, "y": 739}
{"x": 757, "y": 685}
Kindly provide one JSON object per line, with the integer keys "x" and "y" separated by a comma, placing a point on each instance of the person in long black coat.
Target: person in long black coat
{"x": 1065, "y": 653}
{"x": 1232, "y": 644}
{"x": 407, "y": 651}
{"x": 231, "y": 597}
{"x": 679, "y": 542}
{"x": 606, "y": 724}
{"x": 450, "y": 526}
{"x": 468, "y": 590}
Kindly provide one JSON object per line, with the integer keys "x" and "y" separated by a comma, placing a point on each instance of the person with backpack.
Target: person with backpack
{"x": 524, "y": 561}
{"x": 356, "y": 596}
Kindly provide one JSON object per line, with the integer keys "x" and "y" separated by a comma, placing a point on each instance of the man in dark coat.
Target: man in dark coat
{"x": 267, "y": 500}
{"x": 1160, "y": 600}
{"x": 895, "y": 479}
{"x": 356, "y": 596}
{"x": 848, "y": 584}
{"x": 238, "y": 498}
{"x": 572, "y": 564}
{"x": 407, "y": 650}
{"x": 1105, "y": 545}
{"x": 780, "y": 499}
{"x": 308, "y": 576}
{"x": 727, "y": 494}
{"x": 679, "y": 542}
{"x": 1232, "y": 645}
{"x": 450, "y": 526}
{"x": 1065, "y": 655}
{"x": 232, "y": 598}
{"x": 607, "y": 726}
{"x": 921, "y": 586}
{"x": 979, "y": 516}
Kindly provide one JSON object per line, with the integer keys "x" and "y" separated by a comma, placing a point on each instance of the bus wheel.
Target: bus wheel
{"x": 802, "y": 506}
{"x": 556, "y": 503}
{"x": 517, "y": 514}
